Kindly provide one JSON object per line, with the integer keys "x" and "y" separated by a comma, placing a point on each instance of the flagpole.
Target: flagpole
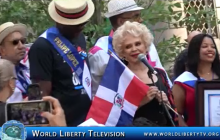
{"x": 150, "y": 74}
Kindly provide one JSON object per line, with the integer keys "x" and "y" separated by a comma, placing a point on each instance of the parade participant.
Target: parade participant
{"x": 202, "y": 64}
{"x": 58, "y": 61}
{"x": 130, "y": 40}
{"x": 119, "y": 11}
{"x": 12, "y": 48}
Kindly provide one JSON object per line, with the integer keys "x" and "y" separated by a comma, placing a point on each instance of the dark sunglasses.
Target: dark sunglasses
{"x": 134, "y": 18}
{"x": 16, "y": 41}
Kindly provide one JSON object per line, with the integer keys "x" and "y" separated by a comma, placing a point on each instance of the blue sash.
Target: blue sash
{"x": 67, "y": 50}
{"x": 110, "y": 47}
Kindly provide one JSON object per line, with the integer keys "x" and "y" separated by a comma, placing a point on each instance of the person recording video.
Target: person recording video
{"x": 57, "y": 117}
{"x": 130, "y": 40}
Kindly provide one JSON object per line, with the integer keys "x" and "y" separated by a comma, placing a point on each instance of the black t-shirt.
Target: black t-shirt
{"x": 46, "y": 64}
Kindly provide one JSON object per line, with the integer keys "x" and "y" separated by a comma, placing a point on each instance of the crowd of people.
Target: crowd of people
{"x": 69, "y": 77}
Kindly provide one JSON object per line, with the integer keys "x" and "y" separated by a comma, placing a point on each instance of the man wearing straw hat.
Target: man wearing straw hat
{"x": 58, "y": 61}
{"x": 12, "y": 48}
{"x": 119, "y": 11}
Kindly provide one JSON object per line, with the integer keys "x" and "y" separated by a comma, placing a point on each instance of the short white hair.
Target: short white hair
{"x": 135, "y": 29}
{"x": 7, "y": 71}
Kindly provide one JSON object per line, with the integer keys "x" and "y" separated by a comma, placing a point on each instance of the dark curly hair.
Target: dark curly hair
{"x": 180, "y": 63}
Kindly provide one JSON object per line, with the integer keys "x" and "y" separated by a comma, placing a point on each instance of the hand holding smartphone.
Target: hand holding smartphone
{"x": 28, "y": 112}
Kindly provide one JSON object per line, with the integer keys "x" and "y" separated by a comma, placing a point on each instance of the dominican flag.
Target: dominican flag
{"x": 118, "y": 96}
{"x": 187, "y": 79}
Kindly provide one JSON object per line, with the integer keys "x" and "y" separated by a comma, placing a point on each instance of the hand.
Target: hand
{"x": 57, "y": 117}
{"x": 25, "y": 99}
{"x": 151, "y": 93}
{"x": 164, "y": 97}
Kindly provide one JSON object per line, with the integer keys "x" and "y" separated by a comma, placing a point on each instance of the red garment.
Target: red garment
{"x": 187, "y": 81}
{"x": 189, "y": 104}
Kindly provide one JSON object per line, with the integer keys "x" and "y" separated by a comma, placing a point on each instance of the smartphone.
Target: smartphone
{"x": 34, "y": 92}
{"x": 28, "y": 112}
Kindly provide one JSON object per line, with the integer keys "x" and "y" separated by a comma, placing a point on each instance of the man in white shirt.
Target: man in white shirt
{"x": 119, "y": 11}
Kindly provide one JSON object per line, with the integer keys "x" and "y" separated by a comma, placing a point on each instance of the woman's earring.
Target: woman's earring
{"x": 13, "y": 89}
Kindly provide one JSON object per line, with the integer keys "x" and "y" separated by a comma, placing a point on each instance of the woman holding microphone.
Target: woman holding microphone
{"x": 129, "y": 41}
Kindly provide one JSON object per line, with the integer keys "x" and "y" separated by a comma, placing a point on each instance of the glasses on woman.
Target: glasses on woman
{"x": 14, "y": 78}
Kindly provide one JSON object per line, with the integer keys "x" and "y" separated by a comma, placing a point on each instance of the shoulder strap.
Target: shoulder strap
{"x": 163, "y": 76}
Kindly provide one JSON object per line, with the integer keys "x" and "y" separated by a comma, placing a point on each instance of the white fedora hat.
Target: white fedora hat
{"x": 71, "y": 12}
{"x": 116, "y": 7}
{"x": 9, "y": 27}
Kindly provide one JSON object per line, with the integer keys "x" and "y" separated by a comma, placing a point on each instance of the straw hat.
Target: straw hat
{"x": 117, "y": 7}
{"x": 71, "y": 12}
{"x": 9, "y": 27}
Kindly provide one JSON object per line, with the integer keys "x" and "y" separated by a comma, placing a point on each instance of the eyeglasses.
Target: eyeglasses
{"x": 133, "y": 18}
{"x": 14, "y": 78}
{"x": 16, "y": 41}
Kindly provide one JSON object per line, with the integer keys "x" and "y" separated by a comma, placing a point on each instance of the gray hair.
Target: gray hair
{"x": 135, "y": 29}
{"x": 7, "y": 71}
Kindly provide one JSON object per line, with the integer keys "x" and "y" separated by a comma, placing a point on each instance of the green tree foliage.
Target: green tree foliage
{"x": 34, "y": 14}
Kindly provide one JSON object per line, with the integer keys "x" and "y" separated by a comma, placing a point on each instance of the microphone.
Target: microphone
{"x": 143, "y": 59}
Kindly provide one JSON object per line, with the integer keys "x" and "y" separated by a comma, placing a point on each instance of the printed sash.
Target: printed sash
{"x": 23, "y": 79}
{"x": 110, "y": 47}
{"x": 70, "y": 54}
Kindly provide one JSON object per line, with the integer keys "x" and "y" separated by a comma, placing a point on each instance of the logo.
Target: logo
{"x": 13, "y": 130}
{"x": 119, "y": 101}
{"x": 82, "y": 52}
{"x": 87, "y": 81}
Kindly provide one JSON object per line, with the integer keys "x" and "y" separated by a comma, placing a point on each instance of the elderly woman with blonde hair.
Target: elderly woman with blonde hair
{"x": 7, "y": 85}
{"x": 130, "y": 40}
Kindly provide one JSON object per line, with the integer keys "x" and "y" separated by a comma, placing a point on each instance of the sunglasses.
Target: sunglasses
{"x": 16, "y": 41}
{"x": 134, "y": 18}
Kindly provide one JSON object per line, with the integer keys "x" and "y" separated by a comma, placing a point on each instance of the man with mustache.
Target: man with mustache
{"x": 12, "y": 48}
